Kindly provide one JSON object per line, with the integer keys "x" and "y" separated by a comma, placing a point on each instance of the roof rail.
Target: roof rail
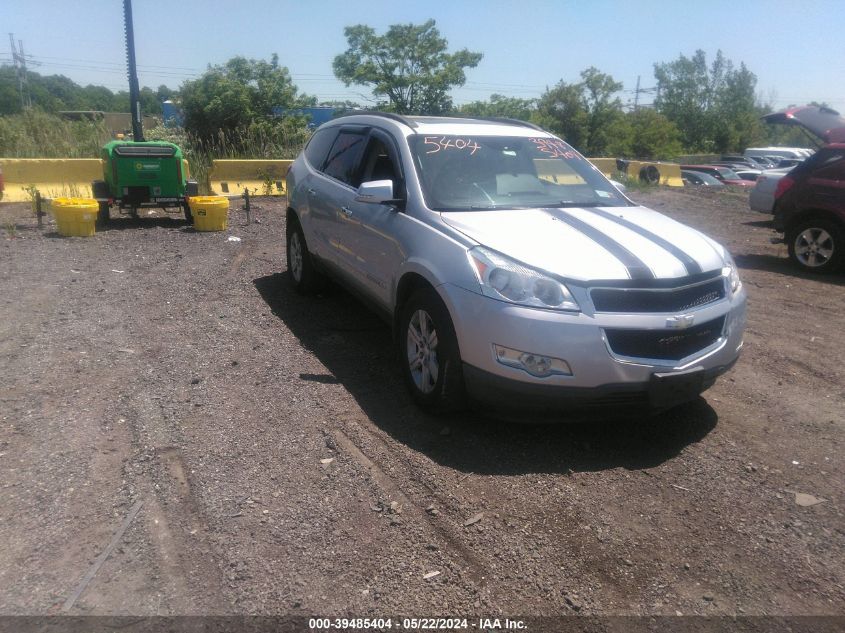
{"x": 386, "y": 115}
{"x": 500, "y": 119}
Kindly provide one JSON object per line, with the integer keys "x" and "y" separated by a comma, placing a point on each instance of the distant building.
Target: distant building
{"x": 173, "y": 115}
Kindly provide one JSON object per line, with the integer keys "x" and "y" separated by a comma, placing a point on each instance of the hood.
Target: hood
{"x": 593, "y": 243}
{"x": 824, "y": 123}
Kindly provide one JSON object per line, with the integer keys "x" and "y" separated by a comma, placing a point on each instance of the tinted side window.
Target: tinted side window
{"x": 831, "y": 166}
{"x": 343, "y": 157}
{"x": 318, "y": 146}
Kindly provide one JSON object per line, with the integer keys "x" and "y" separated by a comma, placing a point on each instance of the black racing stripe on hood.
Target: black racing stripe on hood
{"x": 637, "y": 269}
{"x": 692, "y": 266}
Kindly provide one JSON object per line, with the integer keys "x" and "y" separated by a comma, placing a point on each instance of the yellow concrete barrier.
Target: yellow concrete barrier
{"x": 261, "y": 177}
{"x": 607, "y": 166}
{"x": 668, "y": 174}
{"x": 53, "y": 177}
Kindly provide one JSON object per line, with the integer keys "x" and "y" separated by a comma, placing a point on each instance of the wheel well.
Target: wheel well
{"x": 809, "y": 216}
{"x": 409, "y": 283}
{"x": 290, "y": 216}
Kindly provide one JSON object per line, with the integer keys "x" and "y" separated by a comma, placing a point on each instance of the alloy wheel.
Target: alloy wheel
{"x": 295, "y": 252}
{"x": 814, "y": 247}
{"x": 422, "y": 351}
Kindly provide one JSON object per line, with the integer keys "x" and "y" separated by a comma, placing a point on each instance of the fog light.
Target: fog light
{"x": 534, "y": 364}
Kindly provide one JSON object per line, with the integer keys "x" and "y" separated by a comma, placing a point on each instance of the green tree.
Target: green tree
{"x": 408, "y": 65}
{"x": 163, "y": 93}
{"x": 645, "y": 134}
{"x": 561, "y": 110}
{"x": 583, "y": 113}
{"x": 54, "y": 93}
{"x": 100, "y": 98}
{"x": 603, "y": 109}
{"x": 501, "y": 106}
{"x": 234, "y": 94}
{"x": 714, "y": 106}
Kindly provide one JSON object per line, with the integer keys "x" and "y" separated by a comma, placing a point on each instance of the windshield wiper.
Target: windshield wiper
{"x": 566, "y": 204}
{"x": 490, "y": 207}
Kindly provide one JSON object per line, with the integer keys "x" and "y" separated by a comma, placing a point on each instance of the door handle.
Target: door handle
{"x": 312, "y": 192}
{"x": 346, "y": 211}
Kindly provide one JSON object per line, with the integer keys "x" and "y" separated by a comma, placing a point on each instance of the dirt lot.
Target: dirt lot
{"x": 283, "y": 469}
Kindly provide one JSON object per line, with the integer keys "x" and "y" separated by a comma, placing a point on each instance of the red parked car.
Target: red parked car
{"x": 810, "y": 200}
{"x": 724, "y": 174}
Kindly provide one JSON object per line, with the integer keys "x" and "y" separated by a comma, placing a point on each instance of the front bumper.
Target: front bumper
{"x": 599, "y": 376}
{"x": 505, "y": 394}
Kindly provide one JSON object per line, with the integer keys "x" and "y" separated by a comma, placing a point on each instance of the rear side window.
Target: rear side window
{"x": 343, "y": 157}
{"x": 830, "y": 165}
{"x": 318, "y": 146}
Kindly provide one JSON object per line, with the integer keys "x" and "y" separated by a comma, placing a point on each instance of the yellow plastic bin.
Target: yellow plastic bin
{"x": 75, "y": 217}
{"x": 211, "y": 213}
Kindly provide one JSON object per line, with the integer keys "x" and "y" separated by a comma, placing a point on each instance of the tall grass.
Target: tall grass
{"x": 36, "y": 134}
{"x": 269, "y": 140}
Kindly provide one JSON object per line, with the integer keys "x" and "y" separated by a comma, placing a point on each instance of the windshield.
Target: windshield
{"x": 728, "y": 174}
{"x": 461, "y": 173}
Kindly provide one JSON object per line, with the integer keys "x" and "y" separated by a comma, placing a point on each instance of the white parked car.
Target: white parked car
{"x": 512, "y": 271}
{"x": 762, "y": 196}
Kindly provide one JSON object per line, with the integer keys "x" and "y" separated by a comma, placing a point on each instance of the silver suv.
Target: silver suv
{"x": 512, "y": 271}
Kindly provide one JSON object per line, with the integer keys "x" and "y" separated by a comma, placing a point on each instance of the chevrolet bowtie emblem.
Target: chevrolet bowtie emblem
{"x": 680, "y": 322}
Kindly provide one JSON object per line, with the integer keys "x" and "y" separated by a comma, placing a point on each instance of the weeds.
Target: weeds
{"x": 633, "y": 183}
{"x": 36, "y": 134}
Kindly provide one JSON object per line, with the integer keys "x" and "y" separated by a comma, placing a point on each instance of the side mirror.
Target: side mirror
{"x": 377, "y": 192}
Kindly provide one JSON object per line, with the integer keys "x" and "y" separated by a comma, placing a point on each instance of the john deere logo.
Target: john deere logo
{"x": 139, "y": 166}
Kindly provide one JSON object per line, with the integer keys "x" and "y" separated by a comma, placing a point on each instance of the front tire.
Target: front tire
{"x": 429, "y": 353}
{"x": 817, "y": 245}
{"x": 304, "y": 274}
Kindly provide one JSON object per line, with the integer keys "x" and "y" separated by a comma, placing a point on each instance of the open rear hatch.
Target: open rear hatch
{"x": 824, "y": 123}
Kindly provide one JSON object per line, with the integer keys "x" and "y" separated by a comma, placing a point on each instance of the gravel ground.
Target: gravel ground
{"x": 283, "y": 469}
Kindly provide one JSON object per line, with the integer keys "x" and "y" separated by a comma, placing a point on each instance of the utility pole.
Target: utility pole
{"x": 637, "y": 95}
{"x": 17, "y": 68}
{"x": 638, "y": 91}
{"x": 24, "y": 74}
{"x": 19, "y": 60}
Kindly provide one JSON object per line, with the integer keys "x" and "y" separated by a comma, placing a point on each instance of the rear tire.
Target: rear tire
{"x": 429, "y": 353}
{"x": 99, "y": 189}
{"x": 817, "y": 245}
{"x": 103, "y": 214}
{"x": 306, "y": 278}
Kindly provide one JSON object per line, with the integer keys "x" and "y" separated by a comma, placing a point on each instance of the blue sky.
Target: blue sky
{"x": 796, "y": 49}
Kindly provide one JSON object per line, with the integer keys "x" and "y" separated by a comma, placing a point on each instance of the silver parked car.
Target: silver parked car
{"x": 512, "y": 271}
{"x": 762, "y": 196}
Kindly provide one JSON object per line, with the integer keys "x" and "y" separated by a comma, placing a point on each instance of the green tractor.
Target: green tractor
{"x": 143, "y": 174}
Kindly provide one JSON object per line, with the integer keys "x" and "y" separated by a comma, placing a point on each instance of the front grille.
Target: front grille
{"x": 664, "y": 344}
{"x": 639, "y": 300}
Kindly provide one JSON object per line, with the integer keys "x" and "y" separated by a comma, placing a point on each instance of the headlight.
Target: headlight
{"x": 504, "y": 279}
{"x": 732, "y": 274}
